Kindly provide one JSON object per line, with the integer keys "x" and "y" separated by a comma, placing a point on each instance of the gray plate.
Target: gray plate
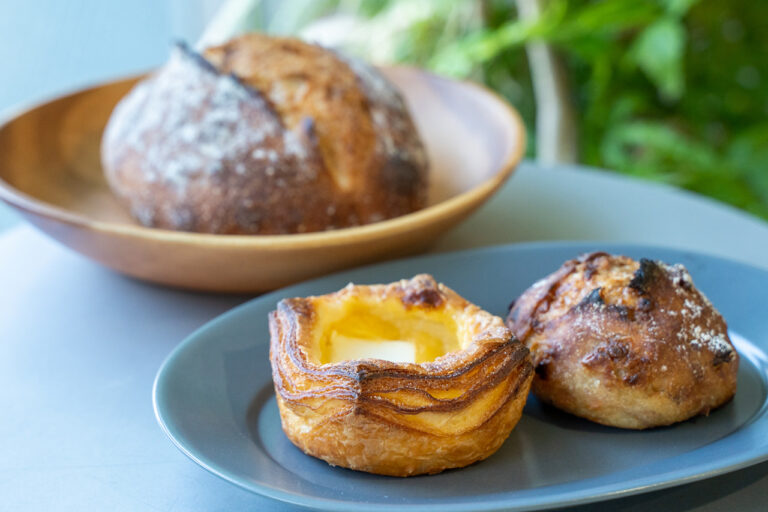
{"x": 213, "y": 397}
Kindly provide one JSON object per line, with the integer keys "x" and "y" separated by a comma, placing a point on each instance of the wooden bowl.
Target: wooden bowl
{"x": 50, "y": 171}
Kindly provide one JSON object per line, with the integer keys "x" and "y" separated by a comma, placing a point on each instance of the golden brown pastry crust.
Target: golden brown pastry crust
{"x": 264, "y": 135}
{"x": 399, "y": 419}
{"x": 625, "y": 343}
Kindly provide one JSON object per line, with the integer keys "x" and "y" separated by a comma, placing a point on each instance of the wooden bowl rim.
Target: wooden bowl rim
{"x": 377, "y": 230}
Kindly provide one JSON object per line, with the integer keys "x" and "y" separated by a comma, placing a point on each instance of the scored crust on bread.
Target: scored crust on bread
{"x": 625, "y": 343}
{"x": 264, "y": 135}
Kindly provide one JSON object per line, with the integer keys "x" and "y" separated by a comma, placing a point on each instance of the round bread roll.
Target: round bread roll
{"x": 264, "y": 135}
{"x": 624, "y": 343}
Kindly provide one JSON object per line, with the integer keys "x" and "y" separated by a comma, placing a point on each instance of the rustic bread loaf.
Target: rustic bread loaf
{"x": 264, "y": 135}
{"x": 625, "y": 343}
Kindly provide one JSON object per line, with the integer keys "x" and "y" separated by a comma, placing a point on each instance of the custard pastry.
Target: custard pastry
{"x": 400, "y": 379}
{"x": 625, "y": 343}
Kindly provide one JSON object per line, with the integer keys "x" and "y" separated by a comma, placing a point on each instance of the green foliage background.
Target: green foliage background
{"x": 668, "y": 90}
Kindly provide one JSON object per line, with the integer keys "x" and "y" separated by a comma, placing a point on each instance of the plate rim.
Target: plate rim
{"x": 638, "y": 485}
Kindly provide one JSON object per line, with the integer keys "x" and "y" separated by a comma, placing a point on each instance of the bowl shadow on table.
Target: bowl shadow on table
{"x": 525, "y": 461}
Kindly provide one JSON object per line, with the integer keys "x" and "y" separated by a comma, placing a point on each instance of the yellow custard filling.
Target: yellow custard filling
{"x": 385, "y": 330}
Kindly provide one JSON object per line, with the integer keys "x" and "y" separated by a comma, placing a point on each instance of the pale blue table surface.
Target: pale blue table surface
{"x": 80, "y": 345}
